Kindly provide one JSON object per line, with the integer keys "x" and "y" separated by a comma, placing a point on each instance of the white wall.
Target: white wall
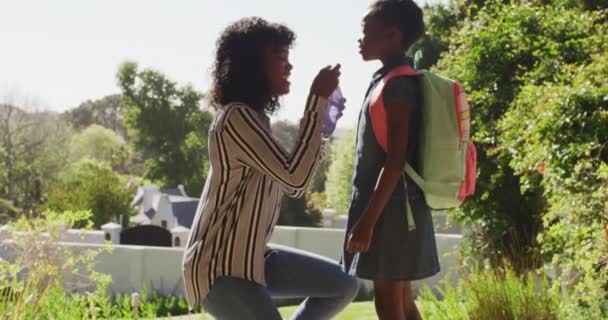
{"x": 133, "y": 267}
{"x": 84, "y": 236}
{"x": 159, "y": 268}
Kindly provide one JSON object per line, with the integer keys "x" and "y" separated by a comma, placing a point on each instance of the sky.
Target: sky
{"x": 63, "y": 52}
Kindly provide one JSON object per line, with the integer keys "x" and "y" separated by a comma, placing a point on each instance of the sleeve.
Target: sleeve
{"x": 255, "y": 147}
{"x": 294, "y": 193}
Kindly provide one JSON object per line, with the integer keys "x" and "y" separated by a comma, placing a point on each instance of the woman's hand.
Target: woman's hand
{"x": 326, "y": 81}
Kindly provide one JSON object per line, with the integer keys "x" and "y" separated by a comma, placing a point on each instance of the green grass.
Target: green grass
{"x": 355, "y": 311}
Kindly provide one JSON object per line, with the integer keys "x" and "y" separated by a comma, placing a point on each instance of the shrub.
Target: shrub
{"x": 497, "y": 294}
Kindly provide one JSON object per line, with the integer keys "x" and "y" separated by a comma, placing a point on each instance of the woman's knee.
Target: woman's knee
{"x": 343, "y": 286}
{"x": 350, "y": 287}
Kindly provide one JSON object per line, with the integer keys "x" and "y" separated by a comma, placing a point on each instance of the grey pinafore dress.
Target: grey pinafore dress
{"x": 395, "y": 252}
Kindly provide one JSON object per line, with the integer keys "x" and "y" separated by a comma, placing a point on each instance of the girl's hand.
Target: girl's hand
{"x": 326, "y": 81}
{"x": 360, "y": 237}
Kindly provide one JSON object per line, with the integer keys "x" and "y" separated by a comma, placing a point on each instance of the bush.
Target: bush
{"x": 497, "y": 294}
{"x": 339, "y": 177}
{"x": 44, "y": 280}
{"x": 34, "y": 281}
{"x": 495, "y": 54}
{"x": 90, "y": 185}
{"x": 299, "y": 212}
{"x": 557, "y": 136}
{"x": 100, "y": 144}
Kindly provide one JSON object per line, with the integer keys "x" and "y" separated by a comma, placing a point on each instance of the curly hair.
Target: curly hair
{"x": 406, "y": 15}
{"x": 239, "y": 68}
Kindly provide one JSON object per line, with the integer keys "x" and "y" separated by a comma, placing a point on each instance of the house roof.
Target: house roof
{"x": 172, "y": 192}
{"x": 149, "y": 197}
{"x": 138, "y": 198}
{"x": 184, "y": 212}
{"x": 151, "y": 190}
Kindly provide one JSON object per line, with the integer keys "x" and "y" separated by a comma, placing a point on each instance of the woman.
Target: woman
{"x": 228, "y": 267}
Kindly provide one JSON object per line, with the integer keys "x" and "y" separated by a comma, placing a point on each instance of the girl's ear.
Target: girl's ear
{"x": 394, "y": 34}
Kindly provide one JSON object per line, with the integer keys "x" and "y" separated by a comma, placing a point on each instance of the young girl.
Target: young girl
{"x": 389, "y": 252}
{"x": 228, "y": 268}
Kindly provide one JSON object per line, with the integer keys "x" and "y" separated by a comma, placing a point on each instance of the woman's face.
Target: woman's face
{"x": 278, "y": 69}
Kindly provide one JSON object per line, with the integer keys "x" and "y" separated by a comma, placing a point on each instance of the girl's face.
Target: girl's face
{"x": 377, "y": 40}
{"x": 278, "y": 69}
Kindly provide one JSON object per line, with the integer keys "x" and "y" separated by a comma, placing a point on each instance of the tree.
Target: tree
{"x": 42, "y": 166}
{"x": 299, "y": 212}
{"x": 100, "y": 144}
{"x": 339, "y": 177}
{"x": 90, "y": 185}
{"x": 167, "y": 126}
{"x": 32, "y": 150}
{"x": 439, "y": 21}
{"x": 7, "y": 211}
{"x": 14, "y": 127}
{"x": 106, "y": 112}
{"x": 494, "y": 55}
{"x": 557, "y": 135}
{"x": 286, "y": 133}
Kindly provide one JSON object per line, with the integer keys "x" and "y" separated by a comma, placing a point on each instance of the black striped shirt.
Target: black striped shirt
{"x": 249, "y": 173}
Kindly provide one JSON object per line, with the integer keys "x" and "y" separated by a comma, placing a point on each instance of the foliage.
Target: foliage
{"x": 286, "y": 133}
{"x": 100, "y": 144}
{"x": 340, "y": 172}
{"x": 59, "y": 304}
{"x": 105, "y": 112}
{"x": 354, "y": 311}
{"x": 498, "y": 294}
{"x": 7, "y": 211}
{"x": 299, "y": 212}
{"x": 90, "y": 185}
{"x": 45, "y": 280}
{"x": 319, "y": 179}
{"x": 497, "y": 52}
{"x": 39, "y": 268}
{"x": 167, "y": 126}
{"x": 558, "y": 134}
{"x": 32, "y": 152}
{"x": 439, "y": 20}
{"x": 150, "y": 306}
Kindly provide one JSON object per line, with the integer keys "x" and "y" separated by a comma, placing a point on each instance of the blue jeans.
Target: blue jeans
{"x": 290, "y": 273}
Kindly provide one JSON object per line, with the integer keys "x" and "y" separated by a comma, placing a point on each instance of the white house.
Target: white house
{"x": 167, "y": 208}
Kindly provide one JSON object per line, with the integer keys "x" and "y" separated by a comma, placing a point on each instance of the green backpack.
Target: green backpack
{"x": 448, "y": 159}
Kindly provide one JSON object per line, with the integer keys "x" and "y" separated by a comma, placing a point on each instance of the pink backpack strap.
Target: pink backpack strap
{"x": 377, "y": 110}
{"x": 467, "y": 188}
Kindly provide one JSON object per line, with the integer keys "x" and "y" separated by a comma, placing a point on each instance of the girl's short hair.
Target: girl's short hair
{"x": 406, "y": 15}
{"x": 239, "y": 68}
